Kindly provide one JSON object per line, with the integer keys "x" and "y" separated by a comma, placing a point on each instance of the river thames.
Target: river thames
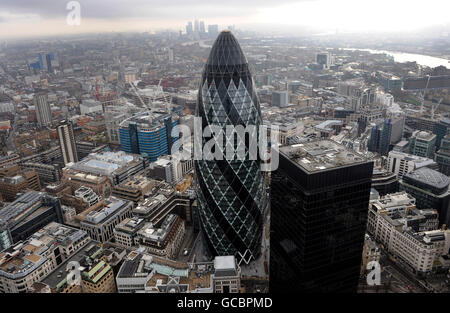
{"x": 424, "y": 60}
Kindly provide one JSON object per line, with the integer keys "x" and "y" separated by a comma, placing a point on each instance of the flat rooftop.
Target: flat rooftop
{"x": 105, "y": 163}
{"x": 130, "y": 225}
{"x": 225, "y": 262}
{"x": 23, "y": 257}
{"x": 187, "y": 276}
{"x": 321, "y": 155}
{"x": 20, "y": 207}
{"x": 85, "y": 256}
{"x": 394, "y": 200}
{"x": 151, "y": 233}
{"x": 110, "y": 207}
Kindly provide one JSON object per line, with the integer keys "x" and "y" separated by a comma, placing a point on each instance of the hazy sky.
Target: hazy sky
{"x": 19, "y": 18}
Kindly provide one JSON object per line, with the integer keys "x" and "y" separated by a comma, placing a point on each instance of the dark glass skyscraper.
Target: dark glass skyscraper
{"x": 230, "y": 192}
{"x": 383, "y": 136}
{"x": 319, "y": 205}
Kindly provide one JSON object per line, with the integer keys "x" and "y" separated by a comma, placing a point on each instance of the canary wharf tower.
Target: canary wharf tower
{"x": 230, "y": 191}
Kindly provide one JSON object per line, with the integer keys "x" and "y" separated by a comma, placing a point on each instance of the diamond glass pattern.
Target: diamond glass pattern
{"x": 231, "y": 193}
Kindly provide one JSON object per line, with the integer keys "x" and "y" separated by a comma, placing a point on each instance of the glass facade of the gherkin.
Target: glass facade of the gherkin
{"x": 231, "y": 193}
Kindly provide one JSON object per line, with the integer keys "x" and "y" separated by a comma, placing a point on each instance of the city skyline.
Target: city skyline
{"x": 212, "y": 158}
{"x": 21, "y": 19}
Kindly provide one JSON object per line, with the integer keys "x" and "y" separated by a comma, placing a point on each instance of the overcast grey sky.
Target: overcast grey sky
{"x": 20, "y": 18}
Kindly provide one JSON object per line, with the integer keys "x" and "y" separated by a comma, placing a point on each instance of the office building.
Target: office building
{"x": 11, "y": 159}
{"x": 196, "y": 26}
{"x": 28, "y": 262}
{"x": 384, "y": 182}
{"x": 383, "y": 137}
{"x": 226, "y": 275}
{"x": 430, "y": 189}
{"x": 325, "y": 59}
{"x": 329, "y": 128}
{"x": 422, "y": 144}
{"x": 189, "y": 28}
{"x": 280, "y": 98}
{"x": 117, "y": 166}
{"x": 301, "y": 88}
{"x": 7, "y": 107}
{"x": 319, "y": 198}
{"x": 50, "y": 156}
{"x": 390, "y": 82}
{"x": 47, "y": 173}
{"x": 164, "y": 169}
{"x": 95, "y": 274}
{"x": 130, "y": 74}
{"x": 399, "y": 204}
{"x": 80, "y": 200}
{"x": 12, "y": 187}
{"x": 171, "y": 57}
{"x": 148, "y": 134}
{"x": 99, "y": 223}
{"x": 67, "y": 142}
{"x": 443, "y": 156}
{"x": 213, "y": 30}
{"x": 202, "y": 28}
{"x": 145, "y": 273}
{"x": 69, "y": 214}
{"x": 170, "y": 168}
{"x": 441, "y": 129}
{"x": 135, "y": 189}
{"x": 23, "y": 217}
{"x": 100, "y": 184}
{"x": 13, "y": 182}
{"x": 421, "y": 122}
{"x": 164, "y": 241}
{"x": 114, "y": 115}
{"x": 90, "y": 106}
{"x": 401, "y": 146}
{"x": 231, "y": 193}
{"x": 407, "y": 233}
{"x": 165, "y": 201}
{"x": 402, "y": 163}
{"x": 9, "y": 170}
{"x": 43, "y": 111}
{"x": 84, "y": 148}
{"x": 371, "y": 253}
{"x": 126, "y": 231}
{"x": 44, "y": 61}
{"x": 371, "y": 114}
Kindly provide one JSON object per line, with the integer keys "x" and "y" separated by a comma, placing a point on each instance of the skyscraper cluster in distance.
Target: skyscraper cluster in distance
{"x": 198, "y": 28}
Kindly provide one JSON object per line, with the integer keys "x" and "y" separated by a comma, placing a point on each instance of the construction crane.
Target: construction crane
{"x": 97, "y": 94}
{"x": 166, "y": 100}
{"x": 423, "y": 94}
{"x": 137, "y": 94}
{"x": 157, "y": 90}
{"x": 435, "y": 107}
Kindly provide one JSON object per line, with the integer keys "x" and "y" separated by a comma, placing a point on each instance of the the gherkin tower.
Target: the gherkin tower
{"x": 231, "y": 193}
